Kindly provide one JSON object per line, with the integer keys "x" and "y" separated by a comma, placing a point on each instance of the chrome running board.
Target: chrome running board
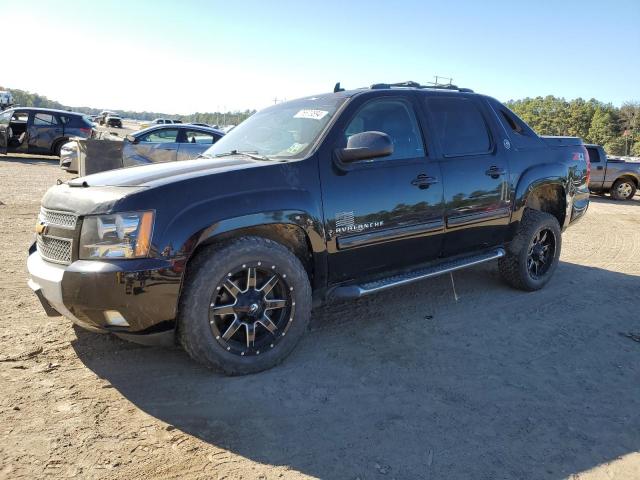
{"x": 355, "y": 291}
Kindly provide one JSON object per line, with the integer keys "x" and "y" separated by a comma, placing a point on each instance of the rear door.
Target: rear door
{"x": 44, "y": 128}
{"x": 159, "y": 145}
{"x": 5, "y": 117}
{"x": 193, "y": 142}
{"x": 475, "y": 173}
{"x": 385, "y": 213}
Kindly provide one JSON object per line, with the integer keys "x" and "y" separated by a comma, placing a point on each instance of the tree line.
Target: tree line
{"x": 616, "y": 128}
{"x": 28, "y": 99}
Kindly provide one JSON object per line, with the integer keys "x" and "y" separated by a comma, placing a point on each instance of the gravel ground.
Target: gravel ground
{"x": 409, "y": 384}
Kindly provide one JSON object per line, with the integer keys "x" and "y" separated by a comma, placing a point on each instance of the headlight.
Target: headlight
{"x": 121, "y": 235}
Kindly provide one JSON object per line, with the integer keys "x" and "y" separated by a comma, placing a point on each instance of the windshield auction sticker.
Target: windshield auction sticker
{"x": 312, "y": 114}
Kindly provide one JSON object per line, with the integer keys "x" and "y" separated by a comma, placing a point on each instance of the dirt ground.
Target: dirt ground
{"x": 409, "y": 384}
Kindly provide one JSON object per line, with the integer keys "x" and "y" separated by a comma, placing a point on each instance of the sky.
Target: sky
{"x": 185, "y": 56}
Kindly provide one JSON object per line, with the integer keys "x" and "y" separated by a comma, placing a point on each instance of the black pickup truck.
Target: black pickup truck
{"x": 333, "y": 196}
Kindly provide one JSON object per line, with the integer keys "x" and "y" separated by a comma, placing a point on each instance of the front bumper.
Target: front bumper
{"x": 98, "y": 295}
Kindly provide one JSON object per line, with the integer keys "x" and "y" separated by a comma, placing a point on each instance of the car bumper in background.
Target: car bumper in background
{"x": 135, "y": 299}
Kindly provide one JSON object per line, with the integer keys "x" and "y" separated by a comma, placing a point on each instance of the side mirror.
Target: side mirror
{"x": 131, "y": 139}
{"x": 366, "y": 146}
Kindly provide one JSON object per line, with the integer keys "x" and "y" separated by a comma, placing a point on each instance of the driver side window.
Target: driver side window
{"x": 168, "y": 135}
{"x": 394, "y": 117}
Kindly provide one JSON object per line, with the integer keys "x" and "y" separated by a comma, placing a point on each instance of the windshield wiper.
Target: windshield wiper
{"x": 253, "y": 155}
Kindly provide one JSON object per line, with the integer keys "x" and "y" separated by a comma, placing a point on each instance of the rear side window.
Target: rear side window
{"x": 459, "y": 126}
{"x": 511, "y": 122}
{"x": 44, "y": 120}
{"x": 393, "y": 117}
{"x": 594, "y": 155}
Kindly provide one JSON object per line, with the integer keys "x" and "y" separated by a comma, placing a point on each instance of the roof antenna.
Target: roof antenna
{"x": 337, "y": 88}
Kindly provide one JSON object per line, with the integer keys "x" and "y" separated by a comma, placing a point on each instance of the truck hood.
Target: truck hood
{"x": 161, "y": 173}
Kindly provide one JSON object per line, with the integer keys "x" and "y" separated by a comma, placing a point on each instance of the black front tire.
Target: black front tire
{"x": 515, "y": 265}
{"x": 57, "y": 149}
{"x": 207, "y": 272}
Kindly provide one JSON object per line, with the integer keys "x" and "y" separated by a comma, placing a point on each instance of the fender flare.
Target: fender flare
{"x": 296, "y": 218}
{"x": 628, "y": 174}
{"x": 549, "y": 174}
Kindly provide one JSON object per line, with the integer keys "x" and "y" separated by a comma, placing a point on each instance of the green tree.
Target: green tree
{"x": 603, "y": 127}
{"x": 615, "y": 146}
{"x": 630, "y": 125}
{"x": 579, "y": 118}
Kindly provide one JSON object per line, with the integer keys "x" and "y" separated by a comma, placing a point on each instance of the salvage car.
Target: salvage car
{"x": 69, "y": 157}
{"x": 113, "y": 120}
{"x": 167, "y": 143}
{"x": 333, "y": 196}
{"x": 6, "y": 100}
{"x": 617, "y": 176}
{"x": 41, "y": 130}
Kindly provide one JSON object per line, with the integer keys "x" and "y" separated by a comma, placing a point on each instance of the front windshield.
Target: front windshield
{"x": 286, "y": 131}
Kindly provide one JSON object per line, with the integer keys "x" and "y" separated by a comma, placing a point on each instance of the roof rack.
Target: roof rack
{"x": 412, "y": 84}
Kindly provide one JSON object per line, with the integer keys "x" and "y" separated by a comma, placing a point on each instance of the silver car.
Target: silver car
{"x": 167, "y": 143}
{"x": 69, "y": 157}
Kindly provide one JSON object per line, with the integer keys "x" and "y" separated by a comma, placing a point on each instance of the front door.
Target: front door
{"x": 475, "y": 172}
{"x": 385, "y": 212}
{"x": 157, "y": 146}
{"x": 43, "y": 128}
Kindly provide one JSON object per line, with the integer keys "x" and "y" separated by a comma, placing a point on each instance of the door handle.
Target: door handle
{"x": 423, "y": 181}
{"x": 495, "y": 172}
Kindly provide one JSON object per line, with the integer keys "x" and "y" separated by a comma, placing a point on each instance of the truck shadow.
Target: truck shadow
{"x": 413, "y": 383}
{"x": 608, "y": 200}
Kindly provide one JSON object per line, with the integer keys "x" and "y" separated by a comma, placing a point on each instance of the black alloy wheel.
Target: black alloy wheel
{"x": 251, "y": 309}
{"x": 542, "y": 250}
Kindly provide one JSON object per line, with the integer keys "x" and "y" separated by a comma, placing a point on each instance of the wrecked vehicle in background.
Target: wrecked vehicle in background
{"x": 618, "y": 176}
{"x": 6, "y": 100}
{"x": 113, "y": 120}
{"x": 167, "y": 143}
{"x": 69, "y": 157}
{"x": 41, "y": 131}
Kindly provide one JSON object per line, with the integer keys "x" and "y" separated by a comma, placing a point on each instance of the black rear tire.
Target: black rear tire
{"x": 623, "y": 189}
{"x": 527, "y": 265}
{"x": 57, "y": 148}
{"x": 199, "y": 328}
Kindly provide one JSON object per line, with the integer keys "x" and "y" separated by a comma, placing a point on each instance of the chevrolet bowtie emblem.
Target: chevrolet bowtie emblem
{"x": 41, "y": 228}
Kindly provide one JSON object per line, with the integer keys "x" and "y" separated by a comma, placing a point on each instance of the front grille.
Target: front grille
{"x": 54, "y": 217}
{"x": 55, "y": 249}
